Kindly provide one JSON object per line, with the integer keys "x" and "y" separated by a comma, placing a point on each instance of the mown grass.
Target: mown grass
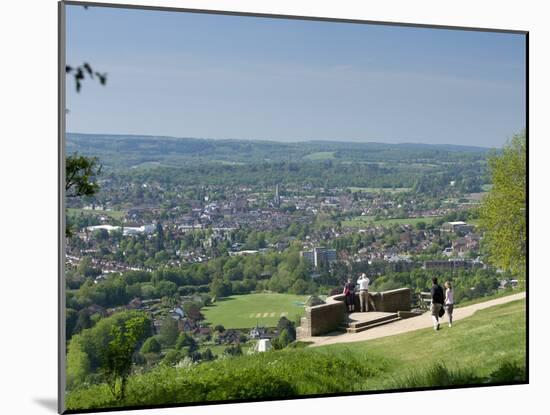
{"x": 115, "y": 214}
{"x": 245, "y": 311}
{"x": 499, "y": 294}
{"x": 488, "y": 347}
{"x": 481, "y": 343}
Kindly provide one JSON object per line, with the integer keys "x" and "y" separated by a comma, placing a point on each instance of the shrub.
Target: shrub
{"x": 151, "y": 345}
{"x": 86, "y": 350}
{"x": 313, "y": 300}
{"x": 508, "y": 372}
{"x": 260, "y": 376}
{"x": 187, "y": 341}
{"x": 207, "y": 355}
{"x": 172, "y": 357}
{"x": 233, "y": 351}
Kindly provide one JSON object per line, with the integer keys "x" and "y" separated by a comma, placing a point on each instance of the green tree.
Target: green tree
{"x": 299, "y": 287}
{"x": 82, "y": 321}
{"x": 234, "y": 350}
{"x": 117, "y": 359}
{"x": 159, "y": 241}
{"x": 287, "y": 333}
{"x": 503, "y": 213}
{"x": 169, "y": 331}
{"x": 172, "y": 357}
{"x": 151, "y": 345}
{"x": 78, "y": 362}
{"x": 220, "y": 288}
{"x": 71, "y": 318}
{"x": 85, "y": 352}
{"x": 186, "y": 340}
{"x": 80, "y": 172}
{"x": 101, "y": 235}
{"x": 80, "y": 175}
{"x": 285, "y": 338}
{"x": 86, "y": 269}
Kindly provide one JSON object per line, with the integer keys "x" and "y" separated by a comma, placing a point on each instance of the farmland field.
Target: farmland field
{"x": 245, "y": 311}
{"x": 320, "y": 155}
{"x": 379, "y": 189}
{"x": 369, "y": 220}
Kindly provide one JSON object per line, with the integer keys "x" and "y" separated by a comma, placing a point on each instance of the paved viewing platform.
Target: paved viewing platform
{"x": 360, "y": 321}
{"x": 401, "y": 325}
{"x": 332, "y": 315}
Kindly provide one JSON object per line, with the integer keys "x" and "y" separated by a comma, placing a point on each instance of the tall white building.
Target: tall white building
{"x": 317, "y": 256}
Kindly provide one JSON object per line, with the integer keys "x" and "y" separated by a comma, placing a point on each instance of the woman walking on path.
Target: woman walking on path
{"x": 349, "y": 292}
{"x": 449, "y": 301}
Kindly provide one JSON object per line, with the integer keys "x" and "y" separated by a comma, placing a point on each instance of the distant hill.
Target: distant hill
{"x": 138, "y": 150}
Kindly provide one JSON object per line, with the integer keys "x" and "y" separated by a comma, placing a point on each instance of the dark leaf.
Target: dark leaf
{"x": 88, "y": 69}
{"x": 102, "y": 78}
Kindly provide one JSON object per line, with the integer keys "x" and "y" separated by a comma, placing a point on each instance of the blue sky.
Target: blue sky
{"x": 216, "y": 76}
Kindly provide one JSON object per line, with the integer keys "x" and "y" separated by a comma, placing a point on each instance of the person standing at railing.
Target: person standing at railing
{"x": 349, "y": 292}
{"x": 449, "y": 301}
{"x": 364, "y": 282}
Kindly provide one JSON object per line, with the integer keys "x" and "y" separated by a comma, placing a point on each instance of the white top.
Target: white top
{"x": 363, "y": 283}
{"x": 449, "y": 296}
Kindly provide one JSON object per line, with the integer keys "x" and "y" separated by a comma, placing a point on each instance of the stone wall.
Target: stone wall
{"x": 392, "y": 301}
{"x": 324, "y": 318}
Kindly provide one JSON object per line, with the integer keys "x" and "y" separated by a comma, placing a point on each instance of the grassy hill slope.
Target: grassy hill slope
{"x": 488, "y": 347}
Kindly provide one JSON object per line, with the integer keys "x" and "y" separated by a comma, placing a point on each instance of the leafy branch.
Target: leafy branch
{"x": 79, "y": 73}
{"x": 80, "y": 171}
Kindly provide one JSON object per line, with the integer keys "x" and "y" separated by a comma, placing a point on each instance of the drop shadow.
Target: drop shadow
{"x": 48, "y": 403}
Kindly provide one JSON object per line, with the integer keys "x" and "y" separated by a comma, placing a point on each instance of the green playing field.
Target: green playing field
{"x": 245, "y": 311}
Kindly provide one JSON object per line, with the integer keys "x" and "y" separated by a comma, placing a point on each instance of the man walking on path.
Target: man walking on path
{"x": 363, "y": 282}
{"x": 437, "y": 302}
